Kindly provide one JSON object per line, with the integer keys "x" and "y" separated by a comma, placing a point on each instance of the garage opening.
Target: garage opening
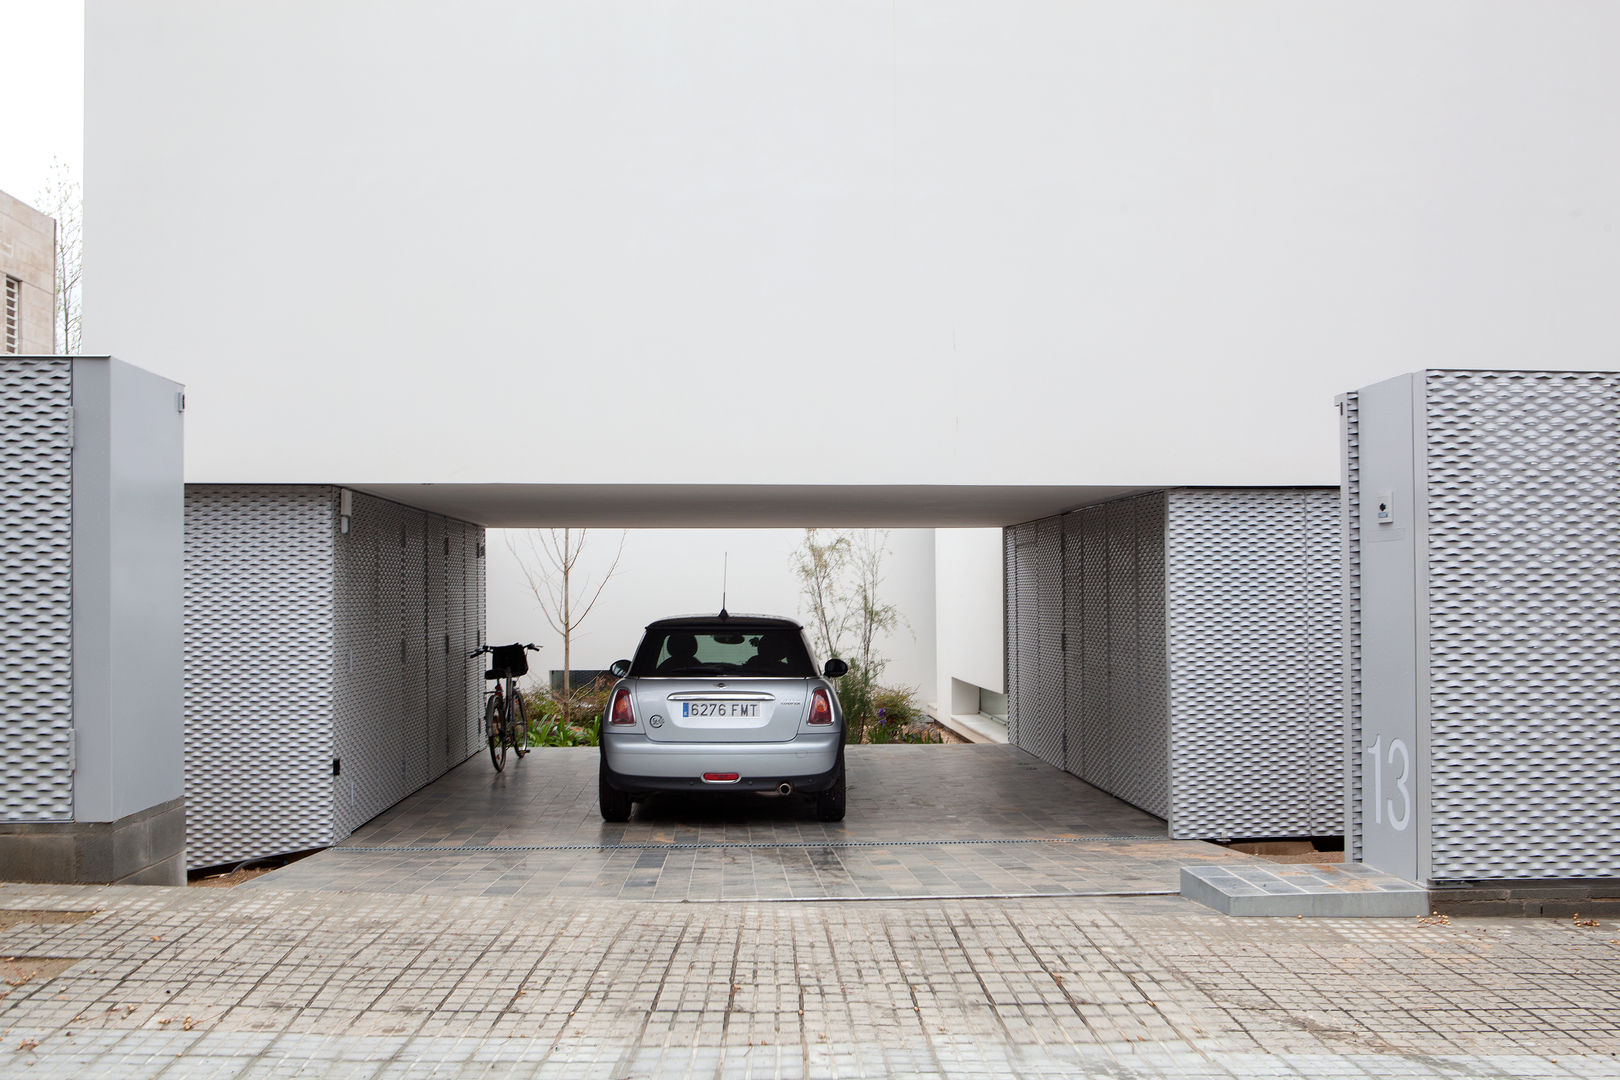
{"x": 359, "y": 713}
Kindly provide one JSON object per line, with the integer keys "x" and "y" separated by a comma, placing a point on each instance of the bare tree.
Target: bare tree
{"x": 871, "y": 615}
{"x": 820, "y": 564}
{"x": 62, "y": 200}
{"x": 565, "y": 596}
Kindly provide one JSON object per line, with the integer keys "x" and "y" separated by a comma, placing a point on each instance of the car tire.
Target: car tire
{"x": 830, "y": 803}
{"x": 615, "y": 804}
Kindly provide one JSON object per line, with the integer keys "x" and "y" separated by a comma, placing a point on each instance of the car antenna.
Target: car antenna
{"x": 725, "y": 566}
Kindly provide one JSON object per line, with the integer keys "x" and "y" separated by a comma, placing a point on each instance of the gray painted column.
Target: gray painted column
{"x": 94, "y": 788}
{"x": 1394, "y": 624}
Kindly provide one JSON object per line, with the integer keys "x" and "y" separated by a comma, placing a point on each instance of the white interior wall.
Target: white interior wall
{"x": 1150, "y": 238}
{"x": 678, "y": 571}
{"x": 971, "y": 612}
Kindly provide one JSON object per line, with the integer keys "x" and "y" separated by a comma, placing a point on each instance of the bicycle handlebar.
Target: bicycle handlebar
{"x": 531, "y": 646}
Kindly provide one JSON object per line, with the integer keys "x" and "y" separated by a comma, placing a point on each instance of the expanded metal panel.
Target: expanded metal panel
{"x": 464, "y": 601}
{"x": 437, "y": 644}
{"x": 1122, "y": 641}
{"x": 1324, "y": 688}
{"x": 1009, "y": 629}
{"x": 413, "y": 630}
{"x": 1090, "y": 699}
{"x": 366, "y": 693}
{"x": 258, "y": 658}
{"x": 481, "y": 636}
{"x": 458, "y": 667}
{"x": 405, "y": 697}
{"x": 1115, "y": 563}
{"x": 393, "y": 733}
{"x": 1198, "y": 660}
{"x": 1046, "y": 737}
{"x": 36, "y": 590}
{"x": 1524, "y": 623}
{"x": 1073, "y": 640}
{"x": 1255, "y": 666}
{"x": 459, "y": 639}
{"x": 1144, "y": 756}
{"x": 345, "y": 733}
{"x": 1026, "y": 632}
{"x": 1350, "y": 569}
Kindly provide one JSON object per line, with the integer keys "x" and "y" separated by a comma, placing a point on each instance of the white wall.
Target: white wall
{"x": 1150, "y": 240}
{"x": 678, "y": 571}
{"x": 971, "y": 632}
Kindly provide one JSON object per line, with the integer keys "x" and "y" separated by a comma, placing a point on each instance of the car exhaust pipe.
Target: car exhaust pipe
{"x": 784, "y": 788}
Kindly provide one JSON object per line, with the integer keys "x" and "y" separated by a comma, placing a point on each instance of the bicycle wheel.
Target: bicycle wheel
{"x": 517, "y": 723}
{"x": 493, "y": 733}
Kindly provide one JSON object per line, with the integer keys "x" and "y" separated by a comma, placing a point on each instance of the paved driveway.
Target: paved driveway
{"x": 923, "y": 821}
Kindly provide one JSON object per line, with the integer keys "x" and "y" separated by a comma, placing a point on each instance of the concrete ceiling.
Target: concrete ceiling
{"x": 740, "y": 506}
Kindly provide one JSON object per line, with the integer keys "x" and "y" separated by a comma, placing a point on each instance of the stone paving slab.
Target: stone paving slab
{"x": 1317, "y": 891}
{"x": 733, "y": 872}
{"x": 210, "y": 982}
{"x": 923, "y": 821}
{"x": 897, "y": 792}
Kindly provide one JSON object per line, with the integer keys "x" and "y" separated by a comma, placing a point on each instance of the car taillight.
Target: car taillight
{"x": 621, "y": 707}
{"x": 821, "y": 707}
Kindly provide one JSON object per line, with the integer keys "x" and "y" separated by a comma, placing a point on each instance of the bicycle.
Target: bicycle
{"x": 506, "y": 716}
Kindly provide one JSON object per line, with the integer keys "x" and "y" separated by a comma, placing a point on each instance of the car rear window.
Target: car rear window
{"x": 675, "y": 653}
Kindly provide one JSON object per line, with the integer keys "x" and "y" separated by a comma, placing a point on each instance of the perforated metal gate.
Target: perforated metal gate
{"x": 36, "y": 590}
{"x": 1523, "y": 529}
{"x": 258, "y": 664}
{"x": 359, "y": 679}
{"x": 1256, "y": 708}
{"x": 1181, "y": 650}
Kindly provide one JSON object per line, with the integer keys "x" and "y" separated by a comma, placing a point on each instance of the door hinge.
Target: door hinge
{"x": 73, "y": 751}
{"x": 67, "y": 420}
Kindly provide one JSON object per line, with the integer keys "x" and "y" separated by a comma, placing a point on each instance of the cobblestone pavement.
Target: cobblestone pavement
{"x": 279, "y": 983}
{"x": 896, "y": 792}
{"x": 930, "y": 821}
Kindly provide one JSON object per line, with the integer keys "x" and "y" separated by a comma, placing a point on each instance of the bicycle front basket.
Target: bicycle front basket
{"x": 509, "y": 661}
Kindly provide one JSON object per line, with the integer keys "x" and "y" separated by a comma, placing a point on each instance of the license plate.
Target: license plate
{"x": 721, "y": 709}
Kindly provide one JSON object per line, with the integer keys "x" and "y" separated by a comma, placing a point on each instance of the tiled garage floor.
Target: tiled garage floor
{"x": 923, "y": 821}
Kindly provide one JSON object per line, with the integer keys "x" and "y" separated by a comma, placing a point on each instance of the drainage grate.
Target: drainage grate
{"x": 1095, "y": 894}
{"x": 361, "y": 849}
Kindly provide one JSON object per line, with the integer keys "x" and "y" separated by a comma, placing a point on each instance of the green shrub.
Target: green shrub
{"x": 546, "y": 726}
{"x": 883, "y": 714}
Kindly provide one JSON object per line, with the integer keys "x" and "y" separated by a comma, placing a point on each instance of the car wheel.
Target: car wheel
{"x": 830, "y": 803}
{"x": 615, "y": 804}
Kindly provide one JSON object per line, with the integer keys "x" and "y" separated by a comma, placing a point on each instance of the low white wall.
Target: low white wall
{"x": 971, "y": 638}
{"x": 678, "y": 571}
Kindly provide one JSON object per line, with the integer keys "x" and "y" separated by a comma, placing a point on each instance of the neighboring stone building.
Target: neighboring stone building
{"x": 28, "y": 264}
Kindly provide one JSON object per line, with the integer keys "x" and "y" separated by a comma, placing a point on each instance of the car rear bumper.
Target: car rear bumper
{"x": 637, "y": 765}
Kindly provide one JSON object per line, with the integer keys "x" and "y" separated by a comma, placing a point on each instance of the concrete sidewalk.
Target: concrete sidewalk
{"x": 277, "y": 983}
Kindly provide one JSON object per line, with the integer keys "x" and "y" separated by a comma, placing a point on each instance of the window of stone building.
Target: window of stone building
{"x": 11, "y": 314}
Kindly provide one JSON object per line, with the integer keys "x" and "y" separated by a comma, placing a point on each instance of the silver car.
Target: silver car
{"x": 723, "y": 703}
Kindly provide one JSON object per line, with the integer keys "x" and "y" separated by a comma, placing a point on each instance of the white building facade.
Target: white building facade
{"x": 951, "y": 266}
{"x": 942, "y": 244}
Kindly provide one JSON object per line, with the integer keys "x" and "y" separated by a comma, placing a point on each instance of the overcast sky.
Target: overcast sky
{"x": 44, "y": 79}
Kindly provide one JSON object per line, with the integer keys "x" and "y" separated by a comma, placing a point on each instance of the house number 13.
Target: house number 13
{"x": 1396, "y": 746}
